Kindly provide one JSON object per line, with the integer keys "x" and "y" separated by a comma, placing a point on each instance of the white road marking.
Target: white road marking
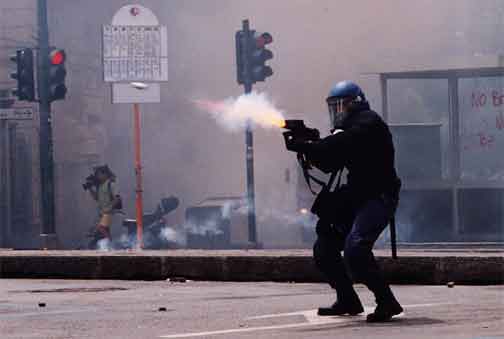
{"x": 236, "y": 330}
{"x": 310, "y": 315}
{"x": 426, "y": 305}
{"x": 39, "y": 313}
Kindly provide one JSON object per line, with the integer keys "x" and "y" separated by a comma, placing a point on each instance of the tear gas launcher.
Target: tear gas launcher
{"x": 296, "y": 132}
{"x": 296, "y": 129}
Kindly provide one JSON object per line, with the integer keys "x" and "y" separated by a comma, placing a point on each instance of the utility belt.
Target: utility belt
{"x": 338, "y": 208}
{"x": 341, "y": 204}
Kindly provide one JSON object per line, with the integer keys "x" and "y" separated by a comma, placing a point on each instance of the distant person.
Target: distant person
{"x": 352, "y": 217}
{"x": 102, "y": 189}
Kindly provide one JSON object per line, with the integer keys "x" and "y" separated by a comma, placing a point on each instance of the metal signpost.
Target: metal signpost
{"x": 135, "y": 60}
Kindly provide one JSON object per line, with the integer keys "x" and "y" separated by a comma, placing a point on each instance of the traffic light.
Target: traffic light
{"x": 240, "y": 57}
{"x": 259, "y": 55}
{"x": 251, "y": 56}
{"x": 57, "y": 74}
{"x": 24, "y": 74}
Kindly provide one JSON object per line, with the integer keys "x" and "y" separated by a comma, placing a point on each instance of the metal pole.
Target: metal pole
{"x": 385, "y": 114}
{"x": 46, "y": 143}
{"x": 249, "y": 141}
{"x": 4, "y": 219}
{"x": 453, "y": 96}
{"x": 384, "y": 95}
{"x": 138, "y": 174}
{"x": 393, "y": 237}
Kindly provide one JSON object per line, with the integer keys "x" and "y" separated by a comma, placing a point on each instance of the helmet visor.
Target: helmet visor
{"x": 337, "y": 109}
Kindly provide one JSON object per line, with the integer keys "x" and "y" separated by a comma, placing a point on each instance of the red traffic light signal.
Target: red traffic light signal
{"x": 262, "y": 39}
{"x": 57, "y": 57}
{"x": 251, "y": 56}
{"x": 258, "y": 56}
{"x": 57, "y": 74}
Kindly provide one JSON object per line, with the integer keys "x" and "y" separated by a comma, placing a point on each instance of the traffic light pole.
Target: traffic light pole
{"x": 249, "y": 141}
{"x": 48, "y": 229}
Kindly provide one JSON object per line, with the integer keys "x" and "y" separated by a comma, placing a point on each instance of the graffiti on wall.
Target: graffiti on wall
{"x": 482, "y": 128}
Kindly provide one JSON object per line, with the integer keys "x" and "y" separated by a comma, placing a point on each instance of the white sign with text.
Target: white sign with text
{"x": 135, "y": 53}
{"x": 482, "y": 128}
{"x": 135, "y": 49}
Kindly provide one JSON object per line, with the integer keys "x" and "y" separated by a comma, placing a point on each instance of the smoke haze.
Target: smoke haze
{"x": 314, "y": 46}
{"x": 187, "y": 150}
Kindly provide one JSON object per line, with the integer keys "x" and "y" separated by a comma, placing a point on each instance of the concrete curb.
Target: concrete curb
{"x": 464, "y": 269}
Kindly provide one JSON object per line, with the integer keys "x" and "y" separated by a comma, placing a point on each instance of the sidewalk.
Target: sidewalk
{"x": 429, "y": 266}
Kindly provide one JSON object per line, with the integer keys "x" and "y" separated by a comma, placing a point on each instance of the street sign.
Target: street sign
{"x": 20, "y": 113}
{"x": 135, "y": 60}
{"x": 135, "y": 53}
{"x": 135, "y": 49}
{"x": 128, "y": 94}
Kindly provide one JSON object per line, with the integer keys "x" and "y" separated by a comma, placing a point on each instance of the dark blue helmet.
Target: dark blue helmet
{"x": 346, "y": 89}
{"x": 344, "y": 98}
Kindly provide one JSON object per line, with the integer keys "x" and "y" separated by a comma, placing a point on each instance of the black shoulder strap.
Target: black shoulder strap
{"x": 109, "y": 183}
{"x": 305, "y": 167}
{"x": 308, "y": 177}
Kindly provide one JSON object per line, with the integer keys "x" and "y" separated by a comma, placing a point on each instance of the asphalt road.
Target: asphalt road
{"x": 127, "y": 310}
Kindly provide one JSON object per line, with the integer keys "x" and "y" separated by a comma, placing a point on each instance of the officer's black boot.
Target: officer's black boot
{"x": 348, "y": 302}
{"x": 387, "y": 307}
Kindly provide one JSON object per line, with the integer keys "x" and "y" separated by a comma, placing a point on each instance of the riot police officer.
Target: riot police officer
{"x": 357, "y": 212}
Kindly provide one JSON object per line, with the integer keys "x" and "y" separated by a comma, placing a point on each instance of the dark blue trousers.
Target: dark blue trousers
{"x": 356, "y": 238}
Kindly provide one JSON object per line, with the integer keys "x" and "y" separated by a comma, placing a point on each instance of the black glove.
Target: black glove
{"x": 294, "y": 144}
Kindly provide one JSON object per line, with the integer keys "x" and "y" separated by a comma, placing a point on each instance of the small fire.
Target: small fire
{"x": 235, "y": 113}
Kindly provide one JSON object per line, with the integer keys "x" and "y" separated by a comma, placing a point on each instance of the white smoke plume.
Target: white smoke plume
{"x": 277, "y": 220}
{"x": 179, "y": 234}
{"x": 210, "y": 226}
{"x": 287, "y": 218}
{"x": 233, "y": 113}
{"x": 104, "y": 245}
{"x": 173, "y": 235}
